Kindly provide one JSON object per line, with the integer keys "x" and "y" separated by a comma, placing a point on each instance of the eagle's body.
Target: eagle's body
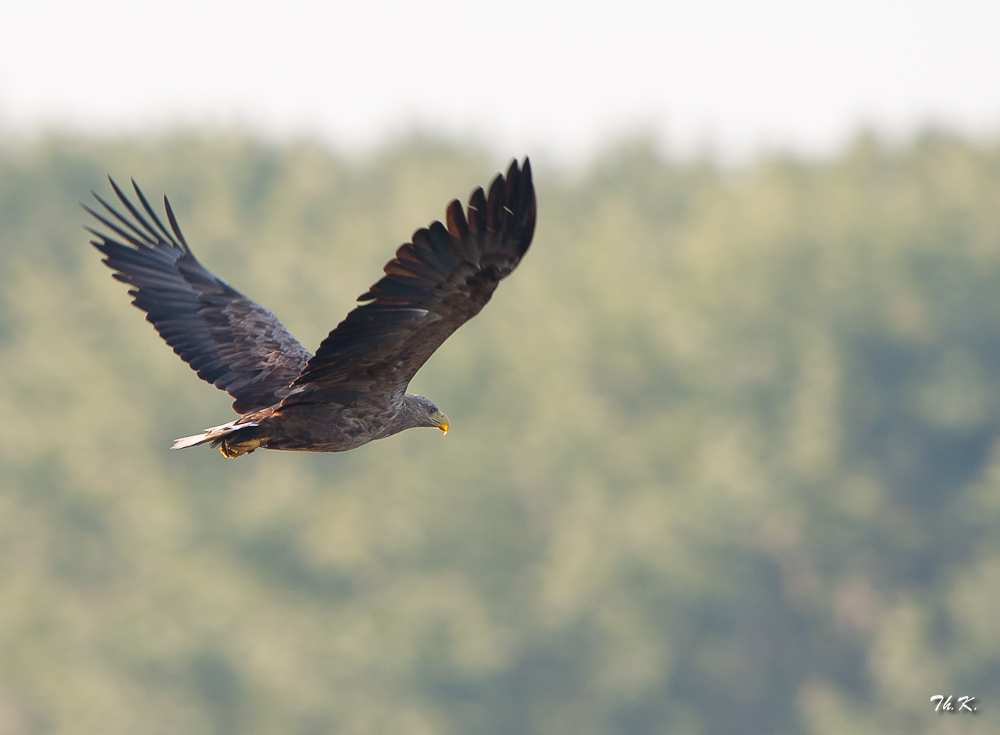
{"x": 316, "y": 427}
{"x": 353, "y": 390}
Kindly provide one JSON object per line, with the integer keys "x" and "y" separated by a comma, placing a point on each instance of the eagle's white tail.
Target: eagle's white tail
{"x": 214, "y": 434}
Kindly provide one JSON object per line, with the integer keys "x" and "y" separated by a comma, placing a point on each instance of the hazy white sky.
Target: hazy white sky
{"x": 543, "y": 77}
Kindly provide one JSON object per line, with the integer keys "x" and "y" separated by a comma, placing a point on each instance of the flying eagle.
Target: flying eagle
{"x": 353, "y": 390}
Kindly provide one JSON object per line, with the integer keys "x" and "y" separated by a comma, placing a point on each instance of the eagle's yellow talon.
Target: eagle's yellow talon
{"x": 232, "y": 450}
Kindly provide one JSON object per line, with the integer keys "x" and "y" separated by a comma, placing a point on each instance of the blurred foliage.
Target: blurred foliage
{"x": 724, "y": 456}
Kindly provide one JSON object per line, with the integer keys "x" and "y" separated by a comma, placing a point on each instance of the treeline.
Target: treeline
{"x": 723, "y": 456}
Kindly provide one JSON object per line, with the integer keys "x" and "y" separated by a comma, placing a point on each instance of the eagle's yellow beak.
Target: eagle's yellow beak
{"x": 441, "y": 421}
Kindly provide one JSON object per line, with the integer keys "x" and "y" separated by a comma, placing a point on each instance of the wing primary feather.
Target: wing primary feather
{"x": 528, "y": 206}
{"x": 477, "y": 211}
{"x": 455, "y": 219}
{"x": 432, "y": 253}
{"x": 511, "y": 188}
{"x": 139, "y": 256}
{"x": 393, "y": 289}
{"x": 494, "y": 205}
{"x": 142, "y": 246}
{"x": 441, "y": 238}
{"x": 122, "y": 219}
{"x": 150, "y": 230}
{"x": 513, "y": 183}
{"x": 105, "y": 222}
{"x": 152, "y": 213}
{"x": 174, "y": 226}
{"x": 409, "y": 258}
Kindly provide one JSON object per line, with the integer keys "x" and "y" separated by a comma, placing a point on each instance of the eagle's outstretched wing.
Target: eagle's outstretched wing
{"x": 230, "y": 341}
{"x": 434, "y": 285}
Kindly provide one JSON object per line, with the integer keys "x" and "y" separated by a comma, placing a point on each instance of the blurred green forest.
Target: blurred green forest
{"x": 724, "y": 456}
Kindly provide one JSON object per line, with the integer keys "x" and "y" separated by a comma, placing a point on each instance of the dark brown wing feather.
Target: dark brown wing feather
{"x": 230, "y": 341}
{"x": 432, "y": 287}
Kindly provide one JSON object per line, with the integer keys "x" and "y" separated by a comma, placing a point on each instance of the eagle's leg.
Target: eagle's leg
{"x": 233, "y": 448}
